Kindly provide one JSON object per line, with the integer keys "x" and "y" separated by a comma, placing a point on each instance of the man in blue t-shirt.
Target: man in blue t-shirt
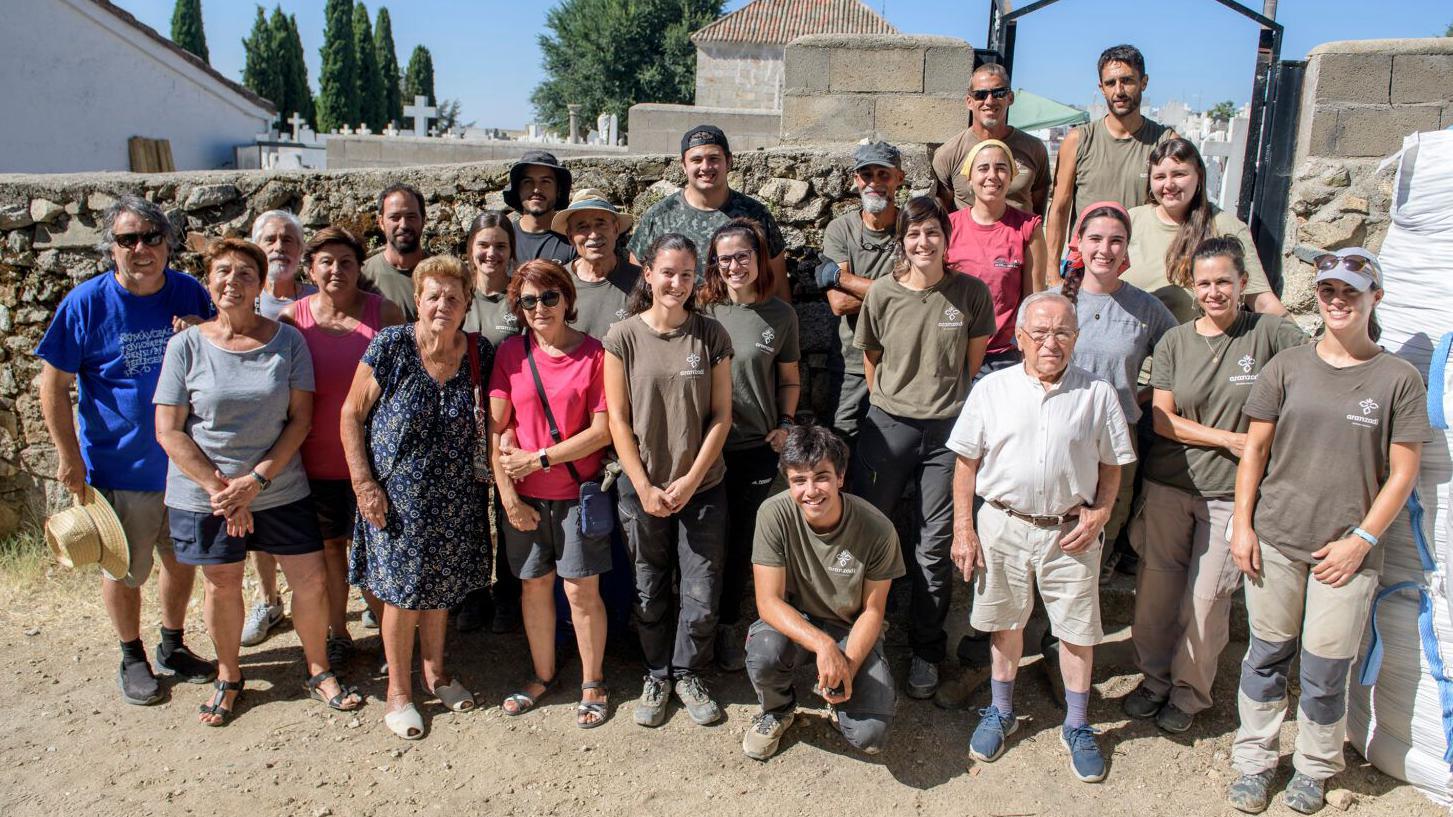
{"x": 108, "y": 336}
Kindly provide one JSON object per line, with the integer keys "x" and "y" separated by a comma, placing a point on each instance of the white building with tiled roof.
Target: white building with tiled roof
{"x": 739, "y": 57}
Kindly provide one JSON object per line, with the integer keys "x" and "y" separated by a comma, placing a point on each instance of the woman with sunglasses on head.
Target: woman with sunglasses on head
{"x": 765, "y": 390}
{"x": 668, "y": 383}
{"x": 1331, "y": 455}
{"x": 923, "y": 331}
{"x": 1202, "y": 374}
{"x": 548, "y": 388}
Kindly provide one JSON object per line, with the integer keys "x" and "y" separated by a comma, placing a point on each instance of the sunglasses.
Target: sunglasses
{"x": 1352, "y": 263}
{"x": 130, "y": 240}
{"x": 984, "y": 93}
{"x": 549, "y": 298}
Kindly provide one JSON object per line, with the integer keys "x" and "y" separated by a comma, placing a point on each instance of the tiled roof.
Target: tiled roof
{"x": 781, "y": 21}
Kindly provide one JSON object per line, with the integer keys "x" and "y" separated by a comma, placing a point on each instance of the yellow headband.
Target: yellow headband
{"x": 968, "y": 165}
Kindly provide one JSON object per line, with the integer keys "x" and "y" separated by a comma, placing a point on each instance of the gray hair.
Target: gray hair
{"x": 991, "y": 69}
{"x": 147, "y": 211}
{"x": 1041, "y": 297}
{"x": 276, "y": 215}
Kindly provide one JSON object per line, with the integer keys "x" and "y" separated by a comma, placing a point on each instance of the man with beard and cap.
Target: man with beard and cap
{"x": 1108, "y": 159}
{"x": 539, "y": 186}
{"x": 988, "y": 100}
{"x": 706, "y": 203}
{"x": 603, "y": 278}
{"x": 389, "y": 272}
{"x": 860, "y": 245}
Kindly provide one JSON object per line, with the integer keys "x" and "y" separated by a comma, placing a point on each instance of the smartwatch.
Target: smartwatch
{"x": 544, "y": 459}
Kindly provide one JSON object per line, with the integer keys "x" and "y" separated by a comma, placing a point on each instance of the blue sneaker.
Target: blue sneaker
{"x": 987, "y": 743}
{"x": 1085, "y": 759}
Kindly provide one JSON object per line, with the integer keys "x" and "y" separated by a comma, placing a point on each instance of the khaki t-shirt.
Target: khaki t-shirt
{"x": 826, "y": 571}
{"x": 1330, "y": 454}
{"x": 598, "y": 304}
{"x": 924, "y": 340}
{"x": 1110, "y": 169}
{"x": 1031, "y": 169}
{"x": 1150, "y": 238}
{"x": 378, "y": 275}
{"x": 491, "y": 316}
{"x": 870, "y": 254}
{"x": 669, "y": 377}
{"x": 763, "y": 334}
{"x": 1211, "y": 379}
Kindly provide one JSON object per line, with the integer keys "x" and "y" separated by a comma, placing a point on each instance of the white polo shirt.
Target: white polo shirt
{"x": 1040, "y": 449}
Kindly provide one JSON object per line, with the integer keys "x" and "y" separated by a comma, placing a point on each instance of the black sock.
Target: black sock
{"x": 133, "y": 652}
{"x": 170, "y": 640}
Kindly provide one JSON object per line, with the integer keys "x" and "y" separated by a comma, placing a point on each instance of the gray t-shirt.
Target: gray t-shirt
{"x": 673, "y": 215}
{"x": 598, "y": 304}
{"x": 870, "y": 254}
{"x": 1117, "y": 333}
{"x": 378, "y": 275}
{"x": 763, "y": 334}
{"x": 270, "y": 306}
{"x": 239, "y": 406}
{"x": 491, "y": 316}
{"x": 548, "y": 245}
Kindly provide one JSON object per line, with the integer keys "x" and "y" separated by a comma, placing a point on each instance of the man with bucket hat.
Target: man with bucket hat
{"x": 603, "y": 278}
{"x": 539, "y": 187}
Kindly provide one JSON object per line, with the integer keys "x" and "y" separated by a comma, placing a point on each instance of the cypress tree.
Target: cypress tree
{"x": 260, "y": 72}
{"x": 187, "y": 27}
{"x": 371, "y": 100}
{"x": 419, "y": 76}
{"x": 297, "y": 78}
{"x": 338, "y": 82}
{"x": 388, "y": 66}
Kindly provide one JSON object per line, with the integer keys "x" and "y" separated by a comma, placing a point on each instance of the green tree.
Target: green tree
{"x": 371, "y": 100}
{"x": 292, "y": 69}
{"x": 1449, "y": 31}
{"x": 450, "y": 117}
{"x": 1222, "y": 111}
{"x": 187, "y": 27}
{"x": 607, "y": 55}
{"x": 388, "y": 66}
{"x": 338, "y": 80}
{"x": 260, "y": 66}
{"x": 419, "y": 77}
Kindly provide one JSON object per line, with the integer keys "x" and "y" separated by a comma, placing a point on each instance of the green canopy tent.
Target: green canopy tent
{"x": 1031, "y": 111}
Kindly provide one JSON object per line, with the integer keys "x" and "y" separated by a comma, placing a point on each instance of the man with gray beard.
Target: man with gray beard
{"x": 858, "y": 248}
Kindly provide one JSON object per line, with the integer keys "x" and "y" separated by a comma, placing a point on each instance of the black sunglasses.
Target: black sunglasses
{"x": 549, "y": 298}
{"x": 984, "y": 93}
{"x": 129, "y": 240}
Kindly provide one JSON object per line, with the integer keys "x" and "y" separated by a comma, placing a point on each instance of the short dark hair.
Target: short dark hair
{"x": 807, "y": 445}
{"x": 401, "y": 188}
{"x": 714, "y": 288}
{"x": 333, "y": 235}
{"x": 1227, "y": 247}
{"x": 489, "y": 220}
{"x": 1126, "y": 53}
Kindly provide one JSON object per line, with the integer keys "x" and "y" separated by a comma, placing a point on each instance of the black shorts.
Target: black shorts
{"x": 286, "y": 530}
{"x": 336, "y": 506}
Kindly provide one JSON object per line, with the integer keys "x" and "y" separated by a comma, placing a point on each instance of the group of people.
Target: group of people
{"x": 414, "y": 425}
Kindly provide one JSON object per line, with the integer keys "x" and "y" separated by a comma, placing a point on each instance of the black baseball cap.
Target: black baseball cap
{"x": 705, "y": 135}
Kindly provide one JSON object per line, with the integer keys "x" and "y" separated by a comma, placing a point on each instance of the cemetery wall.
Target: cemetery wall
{"x": 657, "y": 127}
{"x": 351, "y": 152}
{"x": 739, "y": 75}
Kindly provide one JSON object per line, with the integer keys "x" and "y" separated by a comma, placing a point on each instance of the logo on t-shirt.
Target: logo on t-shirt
{"x": 1006, "y": 263}
{"x": 1247, "y": 363}
{"x": 621, "y": 314}
{"x": 768, "y": 335}
{"x": 1368, "y": 406}
{"x": 693, "y": 366}
{"x": 844, "y": 564}
{"x": 955, "y": 319}
{"x": 509, "y": 319}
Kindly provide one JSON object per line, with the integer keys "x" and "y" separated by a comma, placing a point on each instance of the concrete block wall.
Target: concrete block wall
{"x": 900, "y": 88}
{"x": 739, "y": 75}
{"x": 657, "y": 128}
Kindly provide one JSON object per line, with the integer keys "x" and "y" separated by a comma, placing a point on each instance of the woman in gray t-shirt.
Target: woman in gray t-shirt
{"x": 234, "y": 402}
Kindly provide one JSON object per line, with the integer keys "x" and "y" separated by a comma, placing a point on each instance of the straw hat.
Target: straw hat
{"x": 590, "y": 199}
{"x": 89, "y": 533}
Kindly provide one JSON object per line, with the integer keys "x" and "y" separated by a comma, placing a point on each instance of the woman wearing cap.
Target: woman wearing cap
{"x": 489, "y": 249}
{"x": 668, "y": 383}
{"x": 923, "y": 331}
{"x": 603, "y": 277}
{"x": 998, "y": 244}
{"x": 414, "y": 432}
{"x": 547, "y": 387}
{"x": 1331, "y": 455}
{"x": 337, "y": 323}
{"x": 1202, "y": 374}
{"x": 233, "y": 405}
{"x": 765, "y": 390}
{"x": 1166, "y": 232}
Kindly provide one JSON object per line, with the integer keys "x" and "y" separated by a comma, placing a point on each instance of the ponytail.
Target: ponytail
{"x": 1074, "y": 276}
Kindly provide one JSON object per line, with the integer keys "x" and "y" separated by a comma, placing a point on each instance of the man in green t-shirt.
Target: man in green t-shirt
{"x": 822, "y": 562}
{"x": 389, "y": 272}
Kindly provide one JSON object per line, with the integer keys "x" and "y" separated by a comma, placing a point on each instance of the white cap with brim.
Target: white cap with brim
{"x": 1368, "y": 277}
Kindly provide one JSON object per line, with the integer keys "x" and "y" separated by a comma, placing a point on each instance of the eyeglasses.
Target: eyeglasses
{"x": 889, "y": 244}
{"x": 550, "y": 298}
{"x": 129, "y": 240}
{"x": 1061, "y": 336}
{"x": 1352, "y": 263}
{"x": 984, "y": 93}
{"x": 739, "y": 260}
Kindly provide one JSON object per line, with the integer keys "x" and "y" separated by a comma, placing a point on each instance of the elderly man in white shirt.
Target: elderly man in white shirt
{"x": 1042, "y": 443}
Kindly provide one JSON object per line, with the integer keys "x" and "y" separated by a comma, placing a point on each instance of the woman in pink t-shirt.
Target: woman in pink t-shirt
{"x": 998, "y": 244}
{"x": 539, "y": 479}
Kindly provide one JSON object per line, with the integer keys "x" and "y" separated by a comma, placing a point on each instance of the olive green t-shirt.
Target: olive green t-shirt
{"x": 1110, "y": 169}
{"x": 669, "y": 379}
{"x": 1329, "y": 458}
{"x": 1150, "y": 238}
{"x": 1031, "y": 169}
{"x": 923, "y": 372}
{"x": 826, "y": 571}
{"x": 869, "y": 254}
{"x": 491, "y": 316}
{"x": 763, "y": 334}
{"x": 598, "y": 304}
{"x": 378, "y": 275}
{"x": 1211, "y": 378}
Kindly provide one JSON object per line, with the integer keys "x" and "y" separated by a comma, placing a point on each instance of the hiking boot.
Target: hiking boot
{"x": 1085, "y": 759}
{"x": 1305, "y": 794}
{"x": 651, "y": 708}
{"x": 1249, "y": 792}
{"x": 922, "y": 678}
{"x": 138, "y": 684}
{"x": 765, "y": 734}
{"x": 699, "y": 705}
{"x": 185, "y": 665}
{"x": 987, "y": 742}
{"x": 260, "y": 621}
{"x": 1142, "y": 703}
{"x": 1174, "y": 719}
{"x": 731, "y": 655}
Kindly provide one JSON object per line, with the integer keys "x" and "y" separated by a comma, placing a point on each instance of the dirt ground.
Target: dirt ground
{"x": 69, "y": 746}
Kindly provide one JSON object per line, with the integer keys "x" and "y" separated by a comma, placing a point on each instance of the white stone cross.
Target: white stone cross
{"x": 345, "y": 131}
{"x": 297, "y": 121}
{"x": 390, "y": 130}
{"x": 363, "y": 129}
{"x": 421, "y": 111}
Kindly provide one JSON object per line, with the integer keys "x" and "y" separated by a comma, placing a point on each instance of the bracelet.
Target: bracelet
{"x": 786, "y": 421}
{"x": 1361, "y": 534}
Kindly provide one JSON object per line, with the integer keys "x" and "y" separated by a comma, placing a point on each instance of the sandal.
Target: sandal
{"x": 590, "y": 714}
{"x": 406, "y": 722}
{"x": 314, "y": 685}
{"x": 215, "y": 708}
{"x": 523, "y": 701}
{"x": 453, "y": 696}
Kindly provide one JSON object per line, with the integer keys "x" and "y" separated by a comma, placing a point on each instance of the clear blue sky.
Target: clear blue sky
{"x": 486, "y": 52}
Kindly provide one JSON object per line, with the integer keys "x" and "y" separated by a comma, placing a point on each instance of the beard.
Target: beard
{"x": 277, "y": 269}
{"x": 873, "y": 202}
{"x": 404, "y": 244}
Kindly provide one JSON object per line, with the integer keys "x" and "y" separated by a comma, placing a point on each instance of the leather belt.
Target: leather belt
{"x": 1039, "y": 521}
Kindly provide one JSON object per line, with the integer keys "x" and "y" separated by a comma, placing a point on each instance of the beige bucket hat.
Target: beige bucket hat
{"x": 88, "y": 533}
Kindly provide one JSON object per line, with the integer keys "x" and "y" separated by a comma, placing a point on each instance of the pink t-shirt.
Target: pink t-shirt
{"x": 335, "y": 359}
{"x": 575, "y": 384}
{"x": 994, "y": 254}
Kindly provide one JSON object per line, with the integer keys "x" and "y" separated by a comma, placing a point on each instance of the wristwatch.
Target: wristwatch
{"x": 544, "y": 459}
{"x": 261, "y": 480}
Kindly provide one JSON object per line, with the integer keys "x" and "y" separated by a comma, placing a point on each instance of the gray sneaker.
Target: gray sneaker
{"x": 1305, "y": 794}
{"x": 1174, "y": 719}
{"x": 651, "y": 708}
{"x": 765, "y": 733}
{"x": 699, "y": 705}
{"x": 1142, "y": 703}
{"x": 1249, "y": 792}
{"x": 922, "y": 678}
{"x": 260, "y": 620}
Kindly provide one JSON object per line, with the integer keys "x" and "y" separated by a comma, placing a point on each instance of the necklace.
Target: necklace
{"x": 1216, "y": 353}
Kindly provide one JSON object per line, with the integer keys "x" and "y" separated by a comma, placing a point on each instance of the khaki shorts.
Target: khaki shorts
{"x": 1017, "y": 557}
{"x": 143, "y": 518}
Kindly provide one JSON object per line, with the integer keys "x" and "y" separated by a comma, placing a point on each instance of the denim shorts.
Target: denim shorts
{"x": 286, "y": 530}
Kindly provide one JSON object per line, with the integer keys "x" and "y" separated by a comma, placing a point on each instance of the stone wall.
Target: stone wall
{"x": 48, "y": 233}
{"x": 351, "y": 152}
{"x": 739, "y": 75}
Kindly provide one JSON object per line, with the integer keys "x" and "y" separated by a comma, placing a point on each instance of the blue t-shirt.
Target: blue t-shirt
{"x": 114, "y": 342}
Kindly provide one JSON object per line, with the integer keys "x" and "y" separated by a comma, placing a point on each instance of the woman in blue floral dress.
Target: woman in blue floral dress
{"x": 411, "y": 435}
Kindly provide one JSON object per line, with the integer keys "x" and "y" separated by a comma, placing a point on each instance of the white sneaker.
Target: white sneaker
{"x": 260, "y": 620}
{"x": 765, "y": 734}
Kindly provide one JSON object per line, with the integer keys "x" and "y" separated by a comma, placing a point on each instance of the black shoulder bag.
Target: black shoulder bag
{"x": 597, "y": 512}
